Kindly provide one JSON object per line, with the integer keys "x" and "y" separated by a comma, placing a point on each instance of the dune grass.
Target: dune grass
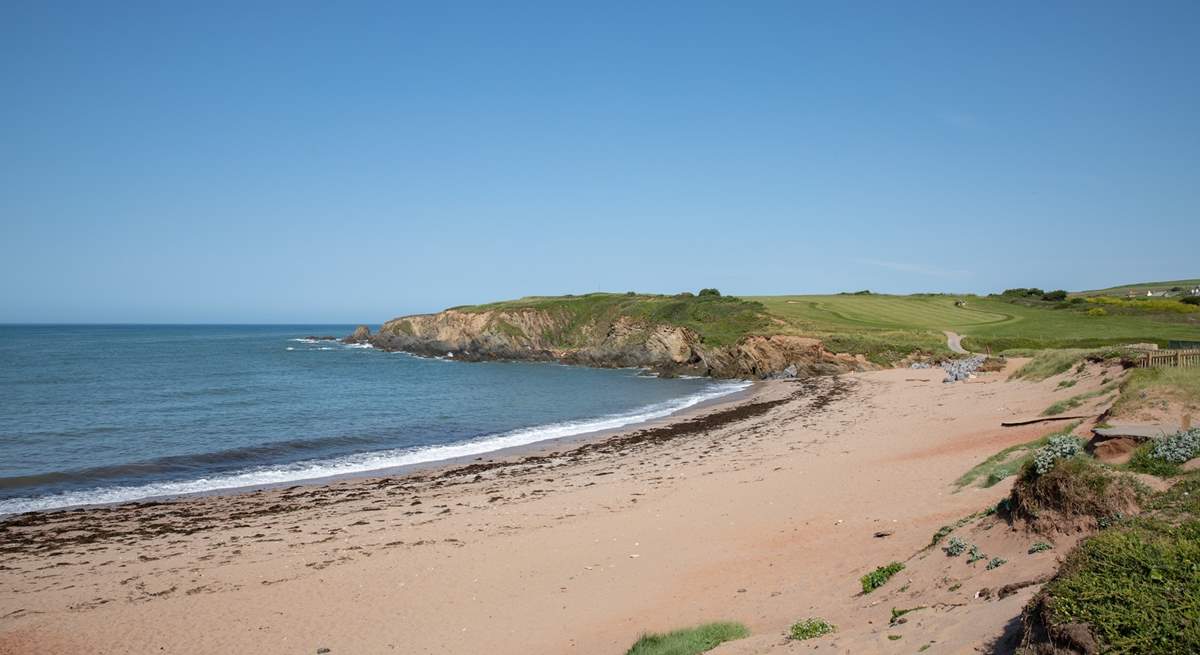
{"x": 1075, "y": 401}
{"x": 689, "y": 641}
{"x": 1007, "y": 462}
{"x": 1148, "y": 385}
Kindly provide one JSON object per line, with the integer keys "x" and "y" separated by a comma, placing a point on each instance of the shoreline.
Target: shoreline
{"x": 541, "y": 446}
{"x": 760, "y": 509}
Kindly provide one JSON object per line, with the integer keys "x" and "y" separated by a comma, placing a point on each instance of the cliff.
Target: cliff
{"x": 715, "y": 336}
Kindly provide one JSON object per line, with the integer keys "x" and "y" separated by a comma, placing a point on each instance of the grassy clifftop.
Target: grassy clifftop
{"x": 719, "y": 320}
{"x": 883, "y": 328}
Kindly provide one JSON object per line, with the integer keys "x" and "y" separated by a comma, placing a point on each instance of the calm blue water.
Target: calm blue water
{"x": 92, "y": 414}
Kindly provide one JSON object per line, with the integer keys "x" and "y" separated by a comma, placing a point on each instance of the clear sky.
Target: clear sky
{"x": 330, "y": 162}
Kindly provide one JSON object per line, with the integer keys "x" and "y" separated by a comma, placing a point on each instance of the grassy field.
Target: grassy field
{"x": 1140, "y": 288}
{"x": 985, "y": 322}
{"x": 884, "y": 328}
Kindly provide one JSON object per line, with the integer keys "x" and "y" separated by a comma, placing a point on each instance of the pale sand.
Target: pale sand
{"x": 764, "y": 520}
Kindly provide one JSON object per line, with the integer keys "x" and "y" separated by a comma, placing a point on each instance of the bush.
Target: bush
{"x": 876, "y": 579}
{"x": 1097, "y": 311}
{"x": 690, "y": 641}
{"x": 709, "y": 292}
{"x": 1059, "y": 447}
{"x": 996, "y": 562}
{"x": 1055, "y": 296}
{"x": 955, "y": 547}
{"x": 1039, "y": 547}
{"x": 811, "y": 628}
{"x": 1191, "y": 300}
{"x": 1179, "y": 447}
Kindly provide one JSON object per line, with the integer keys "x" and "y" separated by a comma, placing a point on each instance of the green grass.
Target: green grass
{"x": 689, "y": 641}
{"x": 897, "y": 613}
{"x": 1141, "y": 287}
{"x": 1075, "y": 401}
{"x": 810, "y": 628}
{"x": 719, "y": 320}
{"x": 983, "y": 321}
{"x": 1137, "y": 587}
{"x": 1007, "y": 462}
{"x": 885, "y": 329}
{"x": 1143, "y": 462}
{"x": 1147, "y": 385}
{"x": 877, "y": 578}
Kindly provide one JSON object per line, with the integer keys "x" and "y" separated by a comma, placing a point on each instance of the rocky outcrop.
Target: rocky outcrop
{"x": 362, "y": 334}
{"x": 538, "y": 335}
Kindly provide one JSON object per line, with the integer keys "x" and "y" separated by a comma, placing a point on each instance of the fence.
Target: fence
{"x": 1169, "y": 358}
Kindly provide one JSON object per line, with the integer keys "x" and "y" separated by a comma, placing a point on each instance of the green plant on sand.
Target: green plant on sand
{"x": 876, "y": 579}
{"x": 689, "y": 641}
{"x": 810, "y": 628}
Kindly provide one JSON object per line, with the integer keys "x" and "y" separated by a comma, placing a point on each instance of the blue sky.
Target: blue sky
{"x": 330, "y": 162}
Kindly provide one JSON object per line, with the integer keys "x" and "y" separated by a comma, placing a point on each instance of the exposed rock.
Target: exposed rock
{"x": 322, "y": 338}
{"x": 362, "y": 334}
{"x": 537, "y": 335}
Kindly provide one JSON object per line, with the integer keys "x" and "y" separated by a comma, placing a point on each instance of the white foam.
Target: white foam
{"x": 364, "y": 462}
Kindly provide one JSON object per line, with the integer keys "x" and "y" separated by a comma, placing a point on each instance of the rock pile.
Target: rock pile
{"x": 962, "y": 369}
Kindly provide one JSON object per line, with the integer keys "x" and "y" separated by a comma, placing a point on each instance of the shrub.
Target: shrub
{"x": 811, "y": 628}
{"x": 1059, "y": 447}
{"x": 690, "y": 641}
{"x": 955, "y": 547}
{"x": 996, "y": 562}
{"x": 1097, "y": 311}
{"x": 876, "y": 579}
{"x": 1191, "y": 300}
{"x": 975, "y": 555}
{"x": 1057, "y": 295}
{"x": 709, "y": 292}
{"x": 1179, "y": 447}
{"x": 1039, "y": 547}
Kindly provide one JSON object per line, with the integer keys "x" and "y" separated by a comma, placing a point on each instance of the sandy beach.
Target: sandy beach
{"x": 763, "y": 510}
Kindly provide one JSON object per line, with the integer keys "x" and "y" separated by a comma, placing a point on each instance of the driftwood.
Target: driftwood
{"x": 1028, "y": 421}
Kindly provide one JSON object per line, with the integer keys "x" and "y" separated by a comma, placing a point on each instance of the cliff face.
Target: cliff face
{"x": 622, "y": 341}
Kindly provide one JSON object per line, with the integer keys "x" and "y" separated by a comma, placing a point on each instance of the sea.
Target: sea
{"x": 95, "y": 414}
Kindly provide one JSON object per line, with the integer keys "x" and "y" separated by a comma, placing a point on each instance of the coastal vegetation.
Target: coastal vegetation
{"x": 719, "y": 320}
{"x": 1149, "y": 386}
{"x": 689, "y": 641}
{"x": 710, "y": 328}
{"x": 1009, "y": 461}
{"x": 810, "y": 628}
{"x": 1131, "y": 588}
{"x": 877, "y": 578}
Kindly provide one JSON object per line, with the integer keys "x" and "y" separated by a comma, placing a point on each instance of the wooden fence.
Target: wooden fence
{"x": 1169, "y": 358}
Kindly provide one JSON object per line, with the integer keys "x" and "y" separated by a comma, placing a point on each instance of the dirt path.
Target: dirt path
{"x": 954, "y": 342}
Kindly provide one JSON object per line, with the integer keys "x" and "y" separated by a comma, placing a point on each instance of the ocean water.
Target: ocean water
{"x": 101, "y": 414}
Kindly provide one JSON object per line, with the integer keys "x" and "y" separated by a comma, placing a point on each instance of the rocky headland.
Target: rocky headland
{"x": 604, "y": 339}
